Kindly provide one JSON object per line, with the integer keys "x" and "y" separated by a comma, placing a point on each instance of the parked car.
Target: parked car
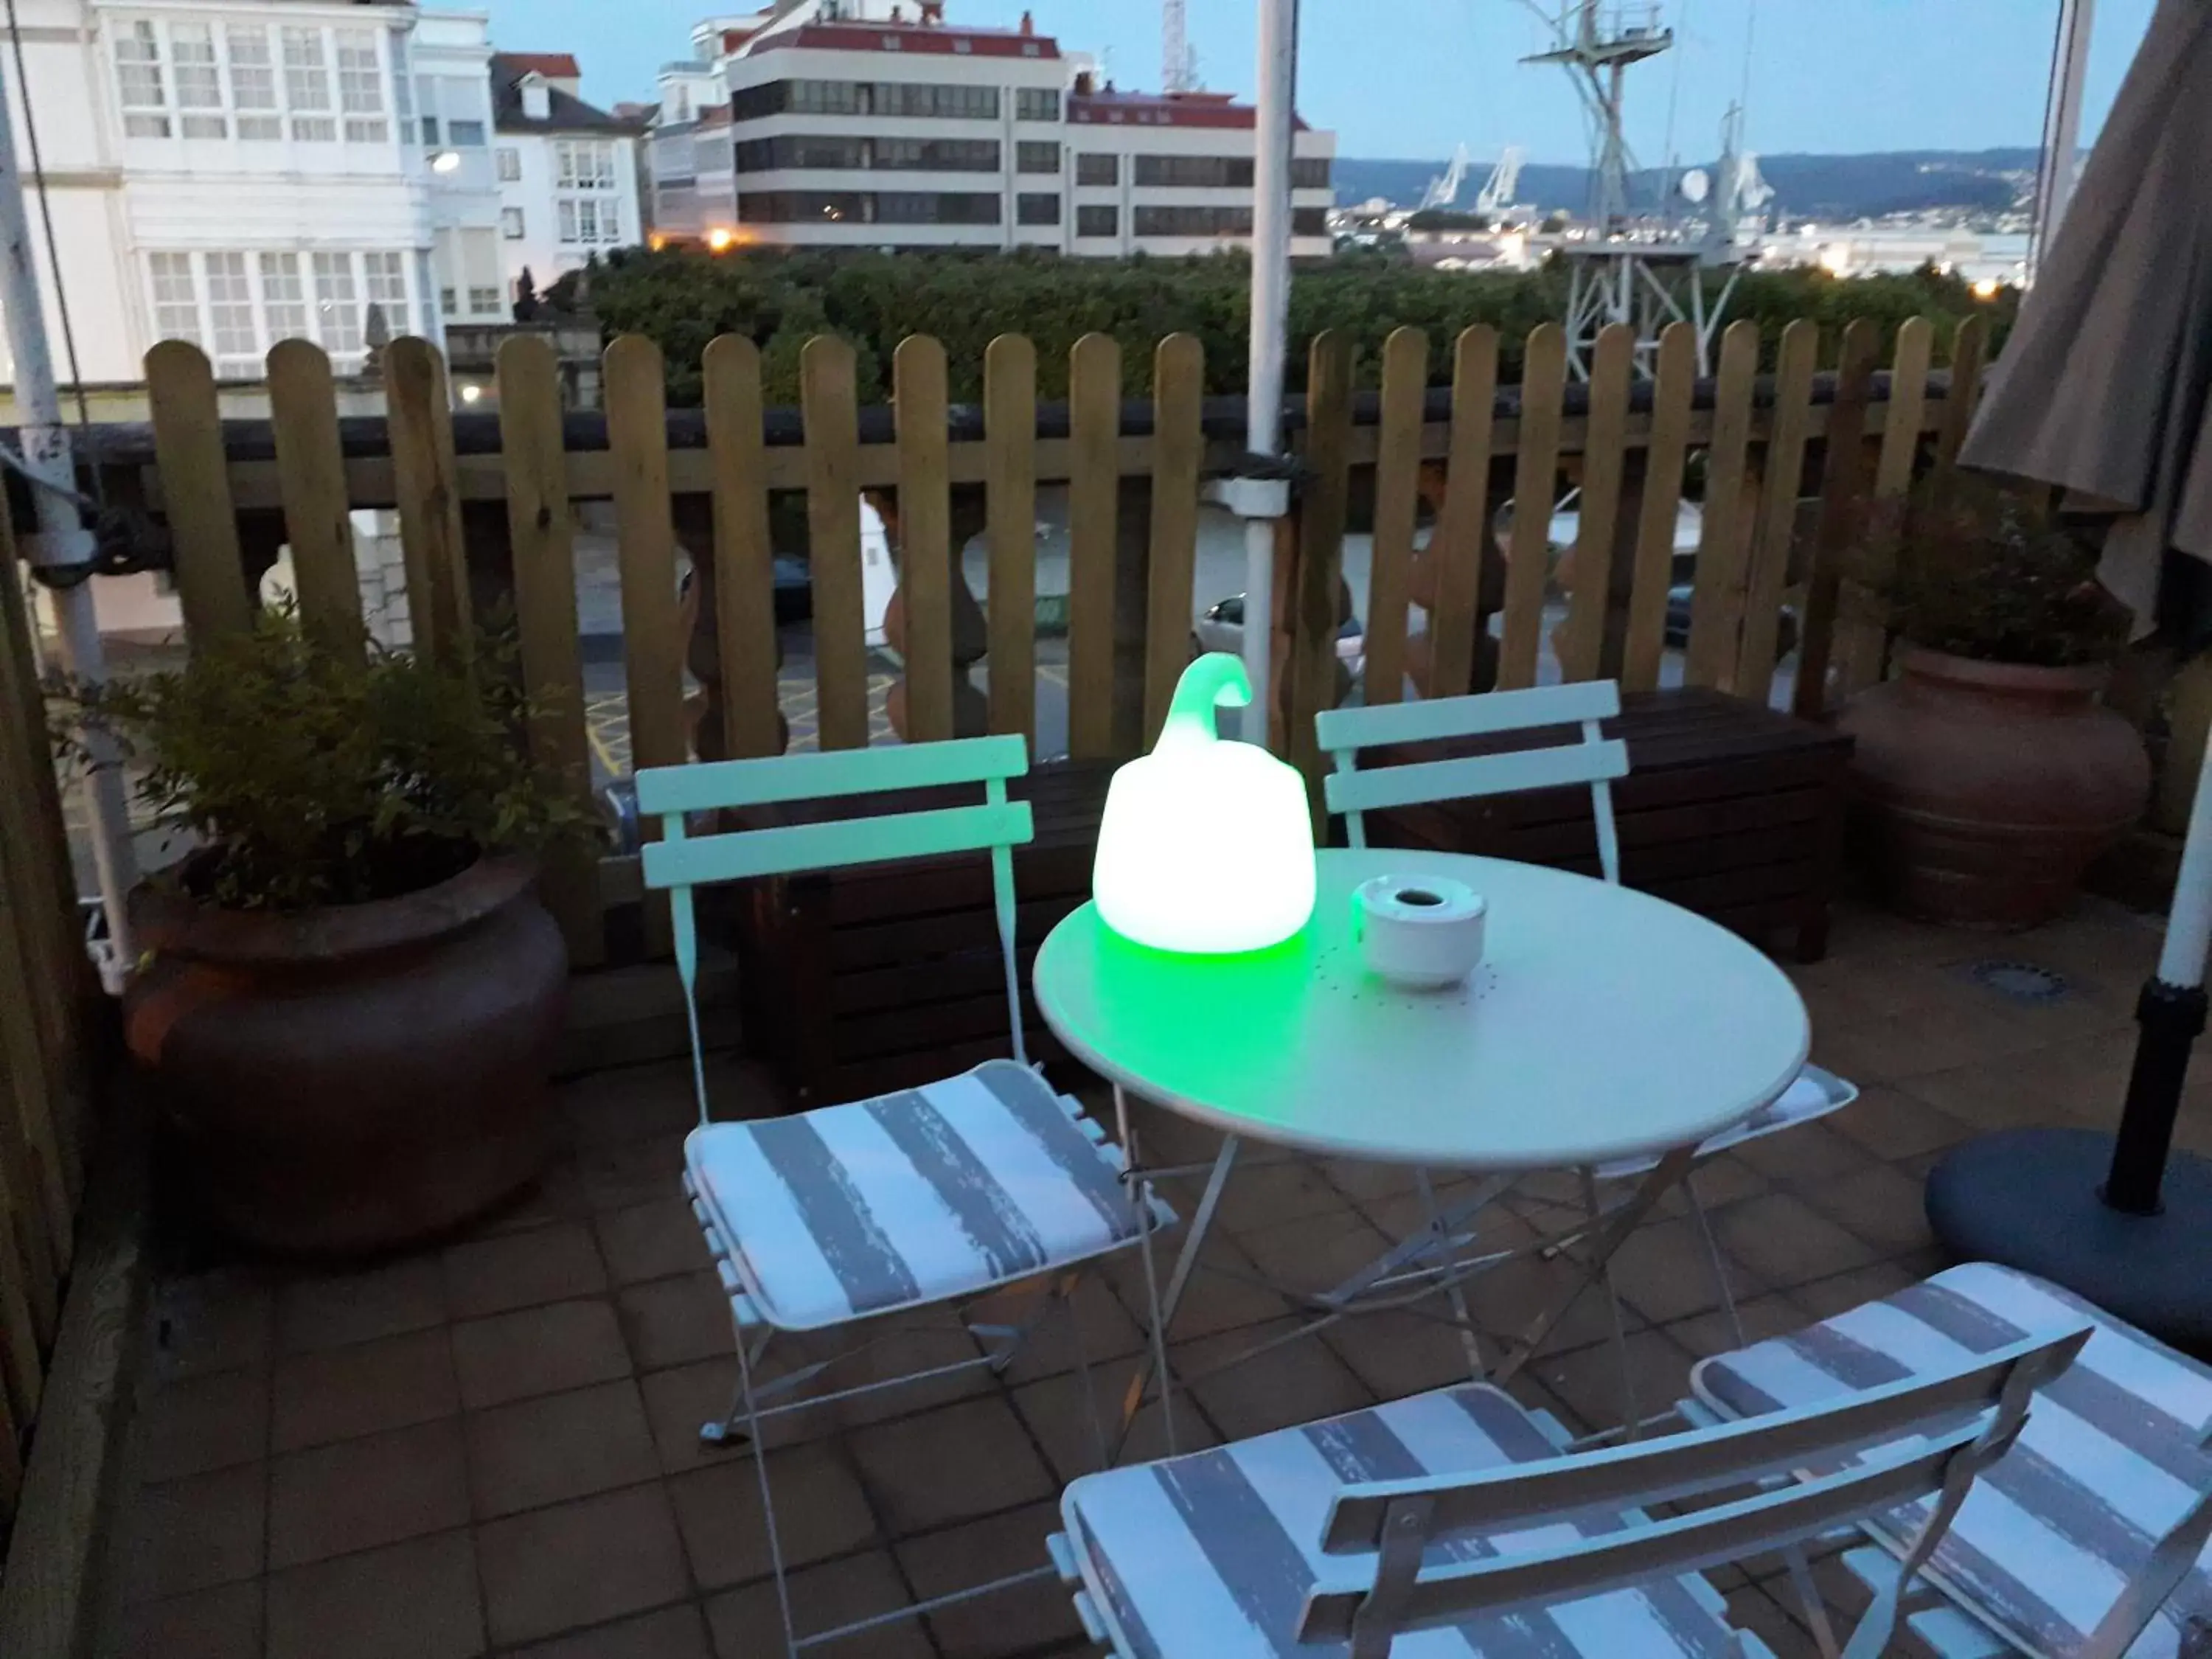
{"x": 1221, "y": 627}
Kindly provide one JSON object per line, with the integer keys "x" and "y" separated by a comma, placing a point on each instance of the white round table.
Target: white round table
{"x": 1603, "y": 1024}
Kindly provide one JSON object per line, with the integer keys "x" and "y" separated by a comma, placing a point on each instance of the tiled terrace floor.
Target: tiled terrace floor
{"x": 492, "y": 1448}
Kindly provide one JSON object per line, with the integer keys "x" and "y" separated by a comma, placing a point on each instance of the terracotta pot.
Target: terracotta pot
{"x": 348, "y": 1080}
{"x": 1985, "y": 789}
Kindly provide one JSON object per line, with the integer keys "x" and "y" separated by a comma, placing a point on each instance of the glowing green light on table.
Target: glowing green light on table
{"x": 1207, "y": 847}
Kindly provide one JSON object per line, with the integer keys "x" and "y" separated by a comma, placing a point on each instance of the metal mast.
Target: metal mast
{"x": 1597, "y": 54}
{"x": 1177, "y": 70}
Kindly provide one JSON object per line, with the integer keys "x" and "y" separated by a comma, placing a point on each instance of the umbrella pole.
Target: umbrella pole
{"x": 2135, "y": 1245}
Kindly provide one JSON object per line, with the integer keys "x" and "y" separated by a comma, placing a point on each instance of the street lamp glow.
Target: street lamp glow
{"x": 720, "y": 239}
{"x": 1207, "y": 847}
{"x": 1987, "y": 289}
{"x": 472, "y": 392}
{"x": 446, "y": 161}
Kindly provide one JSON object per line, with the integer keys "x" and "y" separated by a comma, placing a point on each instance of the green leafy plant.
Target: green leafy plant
{"x": 1982, "y": 568}
{"x": 317, "y": 770}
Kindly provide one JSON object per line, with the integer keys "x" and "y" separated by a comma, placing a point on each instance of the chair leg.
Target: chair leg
{"x": 768, "y": 1497}
{"x": 1632, "y": 1416}
{"x": 1713, "y": 1256}
{"x": 727, "y": 1430}
{"x": 1810, "y": 1597}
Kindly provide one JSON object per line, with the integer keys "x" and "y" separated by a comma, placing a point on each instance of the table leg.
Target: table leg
{"x": 1604, "y": 1242}
{"x": 1467, "y": 1336}
{"x": 1385, "y": 1267}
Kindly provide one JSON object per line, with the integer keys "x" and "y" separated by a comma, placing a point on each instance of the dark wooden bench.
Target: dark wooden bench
{"x": 854, "y": 983}
{"x": 1729, "y": 810}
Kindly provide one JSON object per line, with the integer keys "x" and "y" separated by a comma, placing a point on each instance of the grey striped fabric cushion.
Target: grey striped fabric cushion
{"x": 909, "y": 1198}
{"x": 1211, "y": 1556}
{"x": 2112, "y": 1455}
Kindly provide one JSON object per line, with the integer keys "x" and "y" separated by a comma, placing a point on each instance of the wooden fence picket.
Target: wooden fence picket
{"x": 1397, "y": 511}
{"x": 1460, "y": 544}
{"x": 925, "y": 537}
{"x": 1179, "y": 453}
{"x": 652, "y": 621}
{"x": 1967, "y": 346}
{"x": 831, "y": 399}
{"x": 745, "y": 555}
{"x": 1094, "y": 492}
{"x": 195, "y": 499}
{"x": 1605, "y": 459}
{"x": 1644, "y": 649}
{"x": 1723, "y": 543}
{"x": 1776, "y": 535}
{"x": 1908, "y": 408}
{"x": 303, "y": 415}
{"x": 427, "y": 481}
{"x": 539, "y": 534}
{"x": 1314, "y": 608}
{"x": 1843, "y": 494}
{"x": 1009, "y": 398}
{"x": 1535, "y": 482}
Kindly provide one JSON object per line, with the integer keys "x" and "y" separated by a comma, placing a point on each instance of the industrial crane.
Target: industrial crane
{"x": 1497, "y": 195}
{"x": 1444, "y": 192}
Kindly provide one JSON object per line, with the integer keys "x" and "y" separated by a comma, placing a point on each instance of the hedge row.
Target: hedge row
{"x": 682, "y": 298}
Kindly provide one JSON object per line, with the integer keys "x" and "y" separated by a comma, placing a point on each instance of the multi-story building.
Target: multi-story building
{"x": 568, "y": 172}
{"x": 875, "y": 122}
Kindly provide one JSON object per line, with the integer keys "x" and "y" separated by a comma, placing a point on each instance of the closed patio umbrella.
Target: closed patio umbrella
{"x": 2105, "y": 388}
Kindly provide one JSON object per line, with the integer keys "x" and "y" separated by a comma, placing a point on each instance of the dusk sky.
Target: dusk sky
{"x": 1412, "y": 78}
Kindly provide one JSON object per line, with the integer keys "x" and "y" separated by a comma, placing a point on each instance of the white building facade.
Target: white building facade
{"x": 876, "y": 124}
{"x": 567, "y": 173}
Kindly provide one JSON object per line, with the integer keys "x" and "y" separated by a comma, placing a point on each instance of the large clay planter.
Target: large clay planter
{"x": 1985, "y": 789}
{"x": 349, "y": 1080}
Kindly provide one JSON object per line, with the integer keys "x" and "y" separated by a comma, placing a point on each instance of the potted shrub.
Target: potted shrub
{"x": 348, "y": 994}
{"x": 1988, "y": 773}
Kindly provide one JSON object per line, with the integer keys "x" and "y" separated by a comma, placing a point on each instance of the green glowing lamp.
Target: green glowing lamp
{"x": 1207, "y": 847}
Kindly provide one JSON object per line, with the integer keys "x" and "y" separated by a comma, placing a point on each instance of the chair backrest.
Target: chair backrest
{"x": 1596, "y": 760}
{"x": 1815, "y": 1469}
{"x": 679, "y": 862}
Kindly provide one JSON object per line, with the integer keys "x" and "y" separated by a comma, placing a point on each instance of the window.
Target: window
{"x": 386, "y": 281}
{"x": 566, "y": 211}
{"x": 444, "y": 255}
{"x": 1036, "y": 209}
{"x": 252, "y": 82}
{"x": 283, "y": 301}
{"x": 1195, "y": 172}
{"x": 1035, "y": 103}
{"x": 200, "y": 82}
{"x": 1310, "y": 173}
{"x": 337, "y": 302}
{"x": 480, "y": 267}
{"x": 403, "y": 97}
{"x": 926, "y": 208}
{"x": 230, "y": 309}
{"x": 426, "y": 287}
{"x": 1193, "y": 221}
{"x": 510, "y": 164}
{"x": 510, "y": 223}
{"x": 936, "y": 155}
{"x": 1098, "y": 221}
{"x": 901, "y": 98}
{"x": 307, "y": 85}
{"x": 176, "y": 299}
{"x": 1034, "y": 157}
{"x": 832, "y": 154}
{"x": 585, "y": 164}
{"x": 1308, "y": 221}
{"x": 1097, "y": 169}
{"x": 810, "y": 98}
{"x": 465, "y": 135}
{"x": 361, "y": 87}
{"x": 138, "y": 79}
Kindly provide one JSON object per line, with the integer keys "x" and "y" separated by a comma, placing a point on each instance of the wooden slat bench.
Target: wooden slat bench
{"x": 1729, "y": 809}
{"x": 854, "y": 983}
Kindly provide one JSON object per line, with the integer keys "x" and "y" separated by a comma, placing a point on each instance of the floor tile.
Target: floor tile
{"x": 358, "y": 1494}
{"x": 384, "y": 1384}
{"x": 1314, "y": 1252}
{"x": 659, "y": 1240}
{"x": 1879, "y": 1204}
{"x": 1785, "y": 1242}
{"x": 1092, "y": 1326}
{"x": 1664, "y": 1272}
{"x": 1020, "y": 1621}
{"x": 1269, "y": 1195}
{"x": 622, "y": 1175}
{"x": 1752, "y": 1609}
{"x": 557, "y": 1447}
{"x": 1056, "y": 1411}
{"x": 1223, "y": 1293}
{"x": 630, "y": 1102}
{"x": 1299, "y": 1382}
{"x": 215, "y": 1321}
{"x": 1590, "y": 1380}
{"x": 1807, "y": 1153}
{"x": 1706, "y": 1334}
{"x": 327, "y": 1311}
{"x": 196, "y": 1533}
{"x": 557, "y": 1195}
{"x": 747, "y": 1624}
{"x": 945, "y": 1465}
{"x": 821, "y": 1512}
{"x": 1891, "y": 1123}
{"x": 224, "y": 1623}
{"x": 676, "y": 1633}
{"x": 417, "y": 1598}
{"x": 542, "y": 1350}
{"x": 195, "y": 1424}
{"x": 1824, "y": 1298}
{"x": 1398, "y": 1355}
{"x": 518, "y": 1270}
{"x": 673, "y": 1322}
{"x": 678, "y": 1402}
{"x": 579, "y": 1564}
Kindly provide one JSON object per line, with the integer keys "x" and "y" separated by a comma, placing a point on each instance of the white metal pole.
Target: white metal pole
{"x": 60, "y": 542}
{"x": 2062, "y": 124}
{"x": 1274, "y": 127}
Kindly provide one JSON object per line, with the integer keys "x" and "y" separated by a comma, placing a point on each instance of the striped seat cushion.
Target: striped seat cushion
{"x": 909, "y": 1198}
{"x": 2112, "y": 1457}
{"x": 1814, "y": 1095}
{"x": 1211, "y": 1556}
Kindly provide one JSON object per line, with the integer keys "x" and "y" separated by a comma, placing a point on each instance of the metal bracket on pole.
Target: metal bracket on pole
{"x": 1258, "y": 487}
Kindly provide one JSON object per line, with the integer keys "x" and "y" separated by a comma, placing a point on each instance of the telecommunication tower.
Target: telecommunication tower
{"x": 1178, "y": 63}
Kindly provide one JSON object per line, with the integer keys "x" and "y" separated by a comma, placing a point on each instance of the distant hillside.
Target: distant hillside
{"x": 1806, "y": 186}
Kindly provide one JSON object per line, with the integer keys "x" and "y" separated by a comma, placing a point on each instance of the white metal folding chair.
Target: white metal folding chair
{"x": 1596, "y": 761}
{"x": 2088, "y": 1540}
{"x": 932, "y": 1197}
{"x": 1456, "y": 1523}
